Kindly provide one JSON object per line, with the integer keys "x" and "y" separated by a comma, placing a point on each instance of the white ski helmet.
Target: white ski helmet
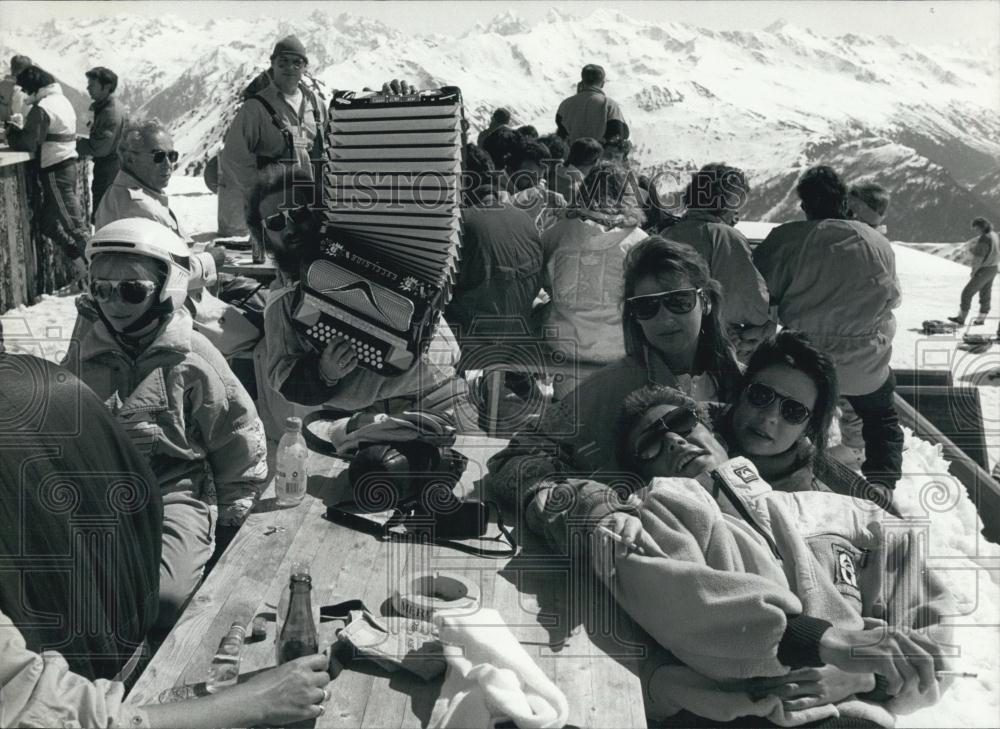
{"x": 143, "y": 237}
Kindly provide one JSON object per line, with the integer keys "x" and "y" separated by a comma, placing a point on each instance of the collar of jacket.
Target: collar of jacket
{"x": 591, "y": 90}
{"x": 706, "y": 216}
{"x": 174, "y": 336}
{"x": 98, "y": 105}
{"x": 50, "y": 90}
{"x": 127, "y": 179}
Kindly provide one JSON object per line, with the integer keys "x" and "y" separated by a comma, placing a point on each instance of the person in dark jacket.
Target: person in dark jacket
{"x": 106, "y": 132}
{"x": 49, "y": 132}
{"x": 590, "y": 112}
{"x": 713, "y": 199}
{"x": 501, "y": 272}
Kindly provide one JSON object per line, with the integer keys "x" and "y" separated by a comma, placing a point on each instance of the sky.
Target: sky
{"x": 915, "y": 21}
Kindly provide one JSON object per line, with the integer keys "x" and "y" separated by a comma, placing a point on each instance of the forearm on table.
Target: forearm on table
{"x": 224, "y": 709}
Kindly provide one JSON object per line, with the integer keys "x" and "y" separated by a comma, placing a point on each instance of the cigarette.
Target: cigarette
{"x": 956, "y": 674}
{"x": 618, "y": 538}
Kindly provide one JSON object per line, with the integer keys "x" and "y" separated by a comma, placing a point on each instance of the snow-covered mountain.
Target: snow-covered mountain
{"x": 923, "y": 121}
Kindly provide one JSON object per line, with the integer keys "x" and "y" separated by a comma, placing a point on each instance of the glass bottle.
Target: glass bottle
{"x": 298, "y": 632}
{"x": 225, "y": 668}
{"x": 290, "y": 465}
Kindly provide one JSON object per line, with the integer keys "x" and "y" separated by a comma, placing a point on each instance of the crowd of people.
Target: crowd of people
{"x": 684, "y": 423}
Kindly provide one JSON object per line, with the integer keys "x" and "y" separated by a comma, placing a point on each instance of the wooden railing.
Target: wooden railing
{"x": 30, "y": 263}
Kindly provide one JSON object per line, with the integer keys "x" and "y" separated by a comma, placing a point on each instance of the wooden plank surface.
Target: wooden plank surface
{"x": 565, "y": 621}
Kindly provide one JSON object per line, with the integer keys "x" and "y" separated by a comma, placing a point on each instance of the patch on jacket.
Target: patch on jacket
{"x": 845, "y": 568}
{"x": 745, "y": 474}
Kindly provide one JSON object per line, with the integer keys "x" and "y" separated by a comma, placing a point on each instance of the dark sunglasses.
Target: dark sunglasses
{"x": 279, "y": 221}
{"x": 131, "y": 291}
{"x": 649, "y": 444}
{"x": 159, "y": 155}
{"x": 679, "y": 301}
{"x": 761, "y": 396}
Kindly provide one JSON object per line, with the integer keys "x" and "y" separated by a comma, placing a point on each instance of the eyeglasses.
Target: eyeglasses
{"x": 679, "y": 301}
{"x": 131, "y": 291}
{"x": 279, "y": 221}
{"x": 293, "y": 61}
{"x": 159, "y": 156}
{"x": 649, "y": 444}
{"x": 761, "y": 396}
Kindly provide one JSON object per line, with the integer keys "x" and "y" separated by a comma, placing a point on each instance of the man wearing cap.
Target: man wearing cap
{"x": 590, "y": 112}
{"x": 105, "y": 131}
{"x": 279, "y": 123}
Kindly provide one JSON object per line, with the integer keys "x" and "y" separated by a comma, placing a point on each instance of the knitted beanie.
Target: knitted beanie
{"x": 292, "y": 45}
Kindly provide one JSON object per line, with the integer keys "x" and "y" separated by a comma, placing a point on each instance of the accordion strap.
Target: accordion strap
{"x": 280, "y": 124}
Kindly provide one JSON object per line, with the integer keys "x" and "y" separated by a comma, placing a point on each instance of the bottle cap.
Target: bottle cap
{"x": 238, "y": 627}
{"x": 293, "y": 424}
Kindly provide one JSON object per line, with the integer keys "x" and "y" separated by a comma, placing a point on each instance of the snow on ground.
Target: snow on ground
{"x": 927, "y": 494}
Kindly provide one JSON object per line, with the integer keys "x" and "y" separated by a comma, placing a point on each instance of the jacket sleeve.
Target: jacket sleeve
{"x": 30, "y": 138}
{"x": 692, "y": 593}
{"x": 238, "y": 158}
{"x": 292, "y": 365}
{"x": 39, "y": 690}
{"x": 767, "y": 258}
{"x": 103, "y": 133}
{"x": 234, "y": 440}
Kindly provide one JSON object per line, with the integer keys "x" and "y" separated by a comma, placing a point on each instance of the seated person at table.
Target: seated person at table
{"x": 331, "y": 377}
{"x": 742, "y": 583}
{"x": 174, "y": 393}
{"x": 673, "y": 336}
{"x": 76, "y": 493}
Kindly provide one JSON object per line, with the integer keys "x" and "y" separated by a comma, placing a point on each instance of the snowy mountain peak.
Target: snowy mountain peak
{"x": 506, "y": 24}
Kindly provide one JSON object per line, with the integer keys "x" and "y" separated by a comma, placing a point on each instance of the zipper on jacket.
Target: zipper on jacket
{"x": 741, "y": 508}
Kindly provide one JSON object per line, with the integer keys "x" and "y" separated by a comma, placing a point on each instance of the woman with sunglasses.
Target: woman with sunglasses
{"x": 753, "y": 590}
{"x": 173, "y": 392}
{"x": 673, "y": 336}
{"x": 782, "y": 417}
{"x": 302, "y": 373}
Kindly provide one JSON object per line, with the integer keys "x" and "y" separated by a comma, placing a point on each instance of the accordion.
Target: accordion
{"x": 391, "y": 235}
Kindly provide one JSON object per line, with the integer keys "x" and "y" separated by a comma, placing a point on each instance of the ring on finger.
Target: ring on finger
{"x": 326, "y": 696}
{"x": 321, "y": 709}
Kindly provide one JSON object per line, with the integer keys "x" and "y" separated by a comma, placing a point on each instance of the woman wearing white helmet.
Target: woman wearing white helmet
{"x": 174, "y": 393}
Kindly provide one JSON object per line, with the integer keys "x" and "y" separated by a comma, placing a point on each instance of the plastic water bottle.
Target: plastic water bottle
{"x": 290, "y": 479}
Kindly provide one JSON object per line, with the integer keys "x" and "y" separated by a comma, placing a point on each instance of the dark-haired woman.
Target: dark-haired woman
{"x": 673, "y": 336}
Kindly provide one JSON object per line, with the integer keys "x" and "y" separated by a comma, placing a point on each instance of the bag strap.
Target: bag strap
{"x": 278, "y": 122}
{"x": 313, "y": 441}
{"x": 390, "y": 531}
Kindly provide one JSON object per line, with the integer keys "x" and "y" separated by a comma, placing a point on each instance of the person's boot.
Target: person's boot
{"x": 959, "y": 319}
{"x": 980, "y": 318}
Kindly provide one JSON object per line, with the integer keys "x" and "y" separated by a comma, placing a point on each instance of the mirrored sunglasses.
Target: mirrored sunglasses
{"x": 649, "y": 444}
{"x": 279, "y": 221}
{"x": 761, "y": 396}
{"x": 160, "y": 155}
{"x": 679, "y": 301}
{"x": 131, "y": 291}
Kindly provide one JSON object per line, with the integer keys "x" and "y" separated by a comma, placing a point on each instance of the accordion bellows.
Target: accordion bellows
{"x": 392, "y": 225}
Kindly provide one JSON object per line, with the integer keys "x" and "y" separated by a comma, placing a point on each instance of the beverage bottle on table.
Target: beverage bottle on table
{"x": 290, "y": 478}
{"x": 298, "y": 632}
{"x": 225, "y": 668}
{"x": 257, "y": 252}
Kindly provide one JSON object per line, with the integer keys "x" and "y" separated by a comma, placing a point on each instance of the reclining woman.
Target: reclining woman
{"x": 300, "y": 370}
{"x": 183, "y": 407}
{"x": 673, "y": 336}
{"x": 770, "y": 604}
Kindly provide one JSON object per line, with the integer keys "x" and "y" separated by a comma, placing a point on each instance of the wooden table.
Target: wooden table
{"x": 240, "y": 263}
{"x": 565, "y": 621}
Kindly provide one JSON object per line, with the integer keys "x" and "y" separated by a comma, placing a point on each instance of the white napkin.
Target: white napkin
{"x": 492, "y": 678}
